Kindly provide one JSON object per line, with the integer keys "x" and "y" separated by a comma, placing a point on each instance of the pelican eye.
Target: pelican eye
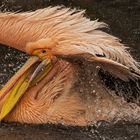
{"x": 43, "y": 51}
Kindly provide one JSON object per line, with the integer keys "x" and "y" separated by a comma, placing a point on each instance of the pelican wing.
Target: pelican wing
{"x": 117, "y": 77}
{"x": 116, "y": 69}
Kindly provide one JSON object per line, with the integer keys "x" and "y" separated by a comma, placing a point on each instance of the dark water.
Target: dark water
{"x": 123, "y": 17}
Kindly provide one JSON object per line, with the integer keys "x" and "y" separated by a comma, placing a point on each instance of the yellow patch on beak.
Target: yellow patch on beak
{"x": 29, "y": 75}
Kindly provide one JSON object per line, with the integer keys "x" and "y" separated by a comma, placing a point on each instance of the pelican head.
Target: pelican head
{"x": 64, "y": 80}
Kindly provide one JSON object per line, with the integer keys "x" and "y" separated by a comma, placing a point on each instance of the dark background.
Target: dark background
{"x": 123, "y": 18}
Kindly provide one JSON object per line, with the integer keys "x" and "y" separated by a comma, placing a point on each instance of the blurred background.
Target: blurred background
{"x": 123, "y": 18}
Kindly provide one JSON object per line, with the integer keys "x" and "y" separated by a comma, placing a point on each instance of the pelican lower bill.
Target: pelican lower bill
{"x": 29, "y": 75}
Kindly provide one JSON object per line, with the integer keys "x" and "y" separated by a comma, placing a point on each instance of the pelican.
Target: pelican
{"x": 76, "y": 73}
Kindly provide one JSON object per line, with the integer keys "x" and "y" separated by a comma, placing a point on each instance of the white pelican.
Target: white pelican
{"x": 75, "y": 72}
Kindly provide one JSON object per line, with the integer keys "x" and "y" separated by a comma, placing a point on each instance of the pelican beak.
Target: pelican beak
{"x": 29, "y": 75}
